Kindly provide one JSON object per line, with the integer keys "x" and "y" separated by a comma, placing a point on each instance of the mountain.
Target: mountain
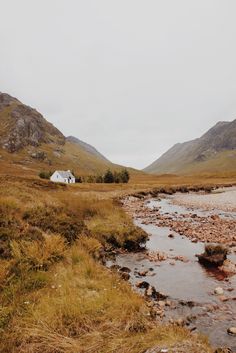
{"x": 213, "y": 152}
{"x": 29, "y": 143}
{"x": 21, "y": 126}
{"x": 87, "y": 147}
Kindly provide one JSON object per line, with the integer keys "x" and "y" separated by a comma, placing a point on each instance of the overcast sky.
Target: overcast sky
{"x": 131, "y": 77}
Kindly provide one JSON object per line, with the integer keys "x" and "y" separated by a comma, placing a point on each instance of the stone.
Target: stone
{"x": 125, "y": 269}
{"x": 142, "y": 273}
{"x": 230, "y": 289}
{"x": 228, "y": 267}
{"x": 223, "y": 298}
{"x": 115, "y": 267}
{"x": 223, "y": 350}
{"x": 161, "y": 303}
{"x": 194, "y": 240}
{"x": 142, "y": 284}
{"x": 219, "y": 291}
{"x": 125, "y": 275}
{"x": 232, "y": 331}
{"x": 150, "y": 291}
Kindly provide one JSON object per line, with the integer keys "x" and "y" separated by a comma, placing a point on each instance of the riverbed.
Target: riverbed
{"x": 188, "y": 285}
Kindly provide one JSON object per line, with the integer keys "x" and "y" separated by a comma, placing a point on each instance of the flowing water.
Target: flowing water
{"x": 187, "y": 281}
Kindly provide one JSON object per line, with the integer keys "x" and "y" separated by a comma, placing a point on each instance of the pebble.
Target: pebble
{"x": 223, "y": 298}
{"x": 219, "y": 291}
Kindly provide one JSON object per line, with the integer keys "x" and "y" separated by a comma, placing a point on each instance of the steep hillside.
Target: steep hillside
{"x": 29, "y": 143}
{"x": 22, "y": 126}
{"x": 213, "y": 152}
{"x": 88, "y": 148}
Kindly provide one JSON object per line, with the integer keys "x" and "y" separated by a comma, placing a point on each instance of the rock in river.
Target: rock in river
{"x": 232, "y": 331}
{"x": 214, "y": 255}
{"x": 219, "y": 291}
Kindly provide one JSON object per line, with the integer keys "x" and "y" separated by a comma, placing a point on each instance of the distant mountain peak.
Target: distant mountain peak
{"x": 89, "y": 148}
{"x": 205, "y": 153}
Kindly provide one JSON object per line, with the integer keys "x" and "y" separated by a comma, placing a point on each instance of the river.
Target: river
{"x": 188, "y": 285}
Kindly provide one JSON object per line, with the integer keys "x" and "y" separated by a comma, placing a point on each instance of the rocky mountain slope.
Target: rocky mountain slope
{"x": 87, "y": 147}
{"x": 22, "y": 126}
{"x": 213, "y": 152}
{"x": 29, "y": 143}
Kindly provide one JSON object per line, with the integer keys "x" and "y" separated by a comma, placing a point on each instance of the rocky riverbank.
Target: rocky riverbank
{"x": 197, "y": 227}
{"x": 178, "y": 288}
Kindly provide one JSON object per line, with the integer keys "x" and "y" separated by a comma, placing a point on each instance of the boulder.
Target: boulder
{"x": 232, "y": 331}
{"x": 214, "y": 255}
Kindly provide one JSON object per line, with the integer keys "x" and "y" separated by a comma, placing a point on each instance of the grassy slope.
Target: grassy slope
{"x": 213, "y": 152}
{"x": 57, "y": 297}
{"x": 221, "y": 162}
{"x": 73, "y": 157}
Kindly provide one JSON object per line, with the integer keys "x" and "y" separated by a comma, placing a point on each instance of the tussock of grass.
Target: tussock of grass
{"x": 116, "y": 229}
{"x": 39, "y": 254}
{"x": 55, "y": 219}
{"x": 89, "y": 309}
{"x": 215, "y": 249}
{"x": 105, "y": 220}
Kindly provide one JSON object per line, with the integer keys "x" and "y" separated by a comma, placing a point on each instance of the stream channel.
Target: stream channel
{"x": 188, "y": 285}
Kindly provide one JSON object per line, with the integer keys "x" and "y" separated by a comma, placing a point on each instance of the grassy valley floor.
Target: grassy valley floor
{"x": 56, "y": 295}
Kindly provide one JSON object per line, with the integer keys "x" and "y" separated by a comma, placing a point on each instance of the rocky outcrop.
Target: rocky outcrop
{"x": 23, "y": 126}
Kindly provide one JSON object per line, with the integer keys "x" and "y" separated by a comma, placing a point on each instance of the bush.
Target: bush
{"x": 125, "y": 176}
{"x": 116, "y": 177}
{"x": 78, "y": 180}
{"x": 108, "y": 177}
{"x": 45, "y": 175}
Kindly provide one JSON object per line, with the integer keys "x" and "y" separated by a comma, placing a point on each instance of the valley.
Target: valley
{"x": 62, "y": 248}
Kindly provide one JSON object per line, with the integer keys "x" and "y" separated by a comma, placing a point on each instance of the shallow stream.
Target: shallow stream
{"x": 186, "y": 281}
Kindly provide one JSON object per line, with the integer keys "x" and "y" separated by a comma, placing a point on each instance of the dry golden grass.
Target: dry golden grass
{"x": 57, "y": 298}
{"x": 87, "y": 309}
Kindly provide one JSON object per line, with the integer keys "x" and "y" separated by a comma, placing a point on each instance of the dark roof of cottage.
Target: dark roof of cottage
{"x": 65, "y": 173}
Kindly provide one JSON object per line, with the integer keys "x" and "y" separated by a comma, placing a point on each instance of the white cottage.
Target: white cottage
{"x": 63, "y": 176}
